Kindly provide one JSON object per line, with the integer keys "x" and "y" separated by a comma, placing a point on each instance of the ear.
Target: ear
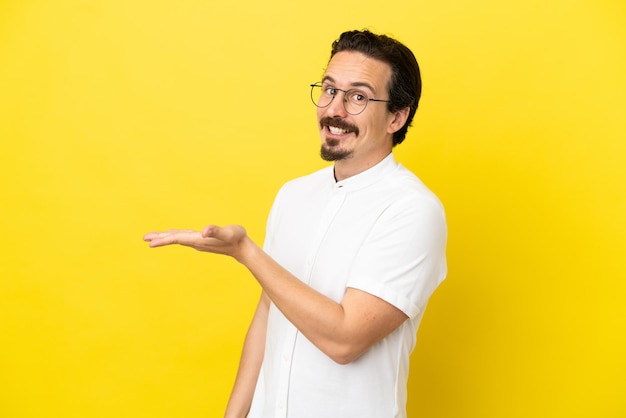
{"x": 398, "y": 121}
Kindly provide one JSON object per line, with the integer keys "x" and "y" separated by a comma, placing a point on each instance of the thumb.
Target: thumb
{"x": 210, "y": 231}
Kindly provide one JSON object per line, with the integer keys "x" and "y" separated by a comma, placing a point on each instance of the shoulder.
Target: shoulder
{"x": 407, "y": 191}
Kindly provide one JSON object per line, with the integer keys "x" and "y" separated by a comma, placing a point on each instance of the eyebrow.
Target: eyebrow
{"x": 352, "y": 85}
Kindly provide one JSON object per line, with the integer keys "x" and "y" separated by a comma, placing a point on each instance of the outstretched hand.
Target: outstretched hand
{"x": 228, "y": 240}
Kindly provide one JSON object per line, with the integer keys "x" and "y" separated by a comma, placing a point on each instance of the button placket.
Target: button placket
{"x": 334, "y": 204}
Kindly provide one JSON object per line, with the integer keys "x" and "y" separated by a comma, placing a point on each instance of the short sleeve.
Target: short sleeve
{"x": 403, "y": 260}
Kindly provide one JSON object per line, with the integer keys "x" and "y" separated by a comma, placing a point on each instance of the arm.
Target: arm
{"x": 343, "y": 331}
{"x": 250, "y": 363}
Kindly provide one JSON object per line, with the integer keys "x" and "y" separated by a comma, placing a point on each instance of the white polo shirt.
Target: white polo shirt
{"x": 381, "y": 231}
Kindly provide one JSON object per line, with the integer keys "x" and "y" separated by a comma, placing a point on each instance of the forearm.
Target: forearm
{"x": 322, "y": 320}
{"x": 250, "y": 363}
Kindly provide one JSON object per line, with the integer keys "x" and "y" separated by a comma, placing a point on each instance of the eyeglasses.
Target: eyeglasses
{"x": 354, "y": 100}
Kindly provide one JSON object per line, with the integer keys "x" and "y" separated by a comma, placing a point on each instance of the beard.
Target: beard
{"x": 330, "y": 150}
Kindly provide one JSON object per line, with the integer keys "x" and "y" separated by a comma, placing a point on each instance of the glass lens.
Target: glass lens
{"x": 320, "y": 96}
{"x": 355, "y": 101}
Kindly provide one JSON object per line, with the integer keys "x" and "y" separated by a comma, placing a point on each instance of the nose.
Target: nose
{"x": 337, "y": 107}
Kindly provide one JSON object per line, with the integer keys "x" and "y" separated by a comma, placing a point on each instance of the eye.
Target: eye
{"x": 331, "y": 91}
{"x": 358, "y": 97}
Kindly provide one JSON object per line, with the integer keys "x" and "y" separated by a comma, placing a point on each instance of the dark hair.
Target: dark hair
{"x": 405, "y": 86}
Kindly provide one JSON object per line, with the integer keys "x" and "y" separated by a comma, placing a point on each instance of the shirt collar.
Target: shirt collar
{"x": 369, "y": 176}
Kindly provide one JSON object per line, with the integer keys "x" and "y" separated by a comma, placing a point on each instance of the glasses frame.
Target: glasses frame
{"x": 345, "y": 94}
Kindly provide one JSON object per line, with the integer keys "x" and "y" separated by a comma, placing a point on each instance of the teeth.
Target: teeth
{"x": 337, "y": 131}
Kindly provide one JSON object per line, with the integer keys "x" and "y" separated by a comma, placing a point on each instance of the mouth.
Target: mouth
{"x": 337, "y": 131}
{"x": 337, "y": 127}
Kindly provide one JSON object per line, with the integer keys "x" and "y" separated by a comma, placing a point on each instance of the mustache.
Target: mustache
{"x": 339, "y": 123}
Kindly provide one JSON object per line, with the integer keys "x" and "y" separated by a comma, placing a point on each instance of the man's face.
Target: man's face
{"x": 361, "y": 140}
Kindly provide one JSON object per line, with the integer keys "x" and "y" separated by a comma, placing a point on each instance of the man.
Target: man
{"x": 351, "y": 256}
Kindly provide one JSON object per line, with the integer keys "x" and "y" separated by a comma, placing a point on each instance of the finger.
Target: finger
{"x": 159, "y": 234}
{"x": 151, "y": 235}
{"x": 171, "y": 236}
{"x": 162, "y": 239}
{"x": 224, "y": 234}
{"x": 210, "y": 231}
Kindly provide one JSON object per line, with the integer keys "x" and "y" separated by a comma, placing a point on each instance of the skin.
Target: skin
{"x": 344, "y": 330}
{"x": 375, "y": 125}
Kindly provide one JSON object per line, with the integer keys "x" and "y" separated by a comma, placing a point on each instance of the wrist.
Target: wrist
{"x": 247, "y": 251}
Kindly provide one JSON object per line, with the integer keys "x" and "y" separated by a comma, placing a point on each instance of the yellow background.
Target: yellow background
{"x": 121, "y": 117}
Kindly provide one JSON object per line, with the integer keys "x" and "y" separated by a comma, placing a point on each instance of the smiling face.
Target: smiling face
{"x": 357, "y": 142}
